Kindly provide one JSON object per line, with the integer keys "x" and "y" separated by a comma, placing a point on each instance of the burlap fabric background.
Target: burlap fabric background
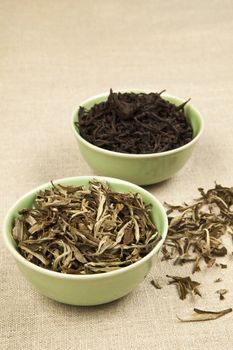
{"x": 53, "y": 55}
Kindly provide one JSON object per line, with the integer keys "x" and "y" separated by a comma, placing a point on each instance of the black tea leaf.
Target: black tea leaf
{"x": 135, "y": 123}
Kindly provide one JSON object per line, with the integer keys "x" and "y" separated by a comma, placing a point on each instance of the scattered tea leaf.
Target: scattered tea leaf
{"x": 85, "y": 229}
{"x": 218, "y": 280}
{"x": 185, "y": 286}
{"x": 221, "y": 293}
{"x": 156, "y": 284}
{"x": 196, "y": 229}
{"x": 223, "y": 266}
{"x": 202, "y": 315}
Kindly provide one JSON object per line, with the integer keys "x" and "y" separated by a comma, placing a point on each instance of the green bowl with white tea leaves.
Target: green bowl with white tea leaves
{"x": 85, "y": 240}
{"x": 144, "y": 138}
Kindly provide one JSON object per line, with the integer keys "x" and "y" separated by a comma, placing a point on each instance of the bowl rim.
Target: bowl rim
{"x": 134, "y": 155}
{"x": 132, "y": 187}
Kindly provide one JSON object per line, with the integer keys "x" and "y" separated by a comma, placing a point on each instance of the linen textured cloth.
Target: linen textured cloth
{"x": 53, "y": 55}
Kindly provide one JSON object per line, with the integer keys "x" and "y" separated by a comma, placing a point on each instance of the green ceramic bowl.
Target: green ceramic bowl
{"x": 141, "y": 169}
{"x": 90, "y": 289}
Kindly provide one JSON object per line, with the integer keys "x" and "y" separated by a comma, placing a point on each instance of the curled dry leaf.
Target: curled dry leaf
{"x": 202, "y": 315}
{"x": 83, "y": 230}
{"x": 221, "y": 293}
{"x": 218, "y": 280}
{"x": 195, "y": 233}
{"x": 184, "y": 286}
{"x": 156, "y": 283}
{"x": 223, "y": 266}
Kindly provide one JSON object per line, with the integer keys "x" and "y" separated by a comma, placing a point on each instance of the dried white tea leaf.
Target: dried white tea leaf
{"x": 185, "y": 285}
{"x": 202, "y": 315}
{"x": 196, "y": 230}
{"x": 218, "y": 280}
{"x": 85, "y": 229}
{"x": 221, "y": 293}
{"x": 156, "y": 283}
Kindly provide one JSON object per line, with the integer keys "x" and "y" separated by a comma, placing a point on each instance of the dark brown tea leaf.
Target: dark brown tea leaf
{"x": 218, "y": 280}
{"x": 135, "y": 123}
{"x": 221, "y": 293}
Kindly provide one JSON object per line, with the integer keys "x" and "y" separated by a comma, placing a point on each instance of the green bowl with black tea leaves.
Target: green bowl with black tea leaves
{"x": 85, "y": 240}
{"x": 143, "y": 138}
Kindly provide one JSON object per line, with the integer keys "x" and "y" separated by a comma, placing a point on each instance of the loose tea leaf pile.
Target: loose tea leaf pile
{"x": 84, "y": 230}
{"x": 196, "y": 233}
{"x": 135, "y": 123}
